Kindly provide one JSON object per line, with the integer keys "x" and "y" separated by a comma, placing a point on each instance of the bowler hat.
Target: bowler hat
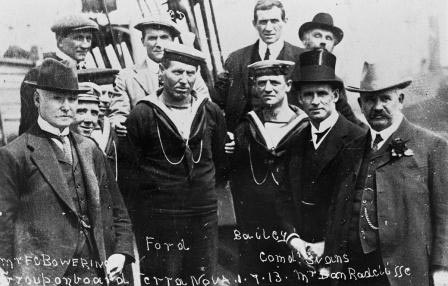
{"x": 55, "y": 76}
{"x": 317, "y": 66}
{"x": 322, "y": 21}
{"x": 73, "y": 22}
{"x": 158, "y": 22}
{"x": 379, "y": 77}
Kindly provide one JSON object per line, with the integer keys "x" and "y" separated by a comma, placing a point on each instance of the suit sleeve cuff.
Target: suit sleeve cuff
{"x": 291, "y": 236}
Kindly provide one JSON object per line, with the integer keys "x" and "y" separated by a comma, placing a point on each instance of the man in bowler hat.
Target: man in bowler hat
{"x": 389, "y": 216}
{"x": 73, "y": 39}
{"x": 58, "y": 197}
{"x": 306, "y": 200}
{"x": 320, "y": 33}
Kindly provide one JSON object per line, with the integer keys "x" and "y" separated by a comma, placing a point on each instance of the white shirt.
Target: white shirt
{"x": 386, "y": 133}
{"x": 47, "y": 127}
{"x": 274, "y": 49}
{"x": 327, "y": 123}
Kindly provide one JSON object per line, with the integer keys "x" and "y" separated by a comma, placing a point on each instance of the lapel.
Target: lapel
{"x": 383, "y": 155}
{"x": 145, "y": 78}
{"x": 249, "y": 57}
{"x": 43, "y": 156}
{"x": 285, "y": 53}
{"x": 332, "y": 143}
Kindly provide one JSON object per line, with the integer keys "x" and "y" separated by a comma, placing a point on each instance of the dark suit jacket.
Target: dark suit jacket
{"x": 233, "y": 89}
{"x": 412, "y": 204}
{"x": 291, "y": 208}
{"x": 38, "y": 215}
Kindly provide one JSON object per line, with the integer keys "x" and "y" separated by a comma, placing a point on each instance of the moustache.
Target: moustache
{"x": 376, "y": 114}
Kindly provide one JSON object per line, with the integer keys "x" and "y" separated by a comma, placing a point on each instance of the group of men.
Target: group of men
{"x": 353, "y": 203}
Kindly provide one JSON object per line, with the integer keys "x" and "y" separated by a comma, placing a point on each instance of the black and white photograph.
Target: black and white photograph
{"x": 224, "y": 142}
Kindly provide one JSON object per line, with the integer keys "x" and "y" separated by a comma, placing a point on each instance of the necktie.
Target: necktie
{"x": 321, "y": 135}
{"x": 377, "y": 141}
{"x": 67, "y": 149}
{"x": 81, "y": 65}
{"x": 267, "y": 54}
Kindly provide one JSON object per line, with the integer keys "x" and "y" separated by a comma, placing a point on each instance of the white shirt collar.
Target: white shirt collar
{"x": 274, "y": 49}
{"x": 386, "y": 133}
{"x": 72, "y": 62}
{"x": 45, "y": 126}
{"x": 327, "y": 123}
{"x": 152, "y": 65}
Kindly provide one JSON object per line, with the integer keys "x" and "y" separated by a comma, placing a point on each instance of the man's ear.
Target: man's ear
{"x": 359, "y": 101}
{"x": 401, "y": 98}
{"x": 288, "y": 85}
{"x": 336, "y": 94}
{"x": 58, "y": 41}
{"x": 36, "y": 98}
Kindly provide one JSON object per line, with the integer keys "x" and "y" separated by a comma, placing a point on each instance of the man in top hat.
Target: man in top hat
{"x": 144, "y": 79}
{"x": 169, "y": 163}
{"x": 263, "y": 142}
{"x": 320, "y": 33}
{"x": 74, "y": 39}
{"x": 311, "y": 170}
{"x": 390, "y": 213}
{"x": 234, "y": 91}
{"x": 58, "y": 198}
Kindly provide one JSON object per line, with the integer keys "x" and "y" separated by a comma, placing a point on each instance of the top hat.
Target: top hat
{"x": 55, "y": 76}
{"x": 158, "y": 22}
{"x": 379, "y": 77}
{"x": 322, "y": 21}
{"x": 270, "y": 67}
{"x": 183, "y": 53}
{"x": 317, "y": 66}
{"x": 74, "y": 22}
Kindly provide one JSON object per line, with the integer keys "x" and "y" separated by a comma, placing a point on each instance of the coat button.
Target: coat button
{"x": 343, "y": 221}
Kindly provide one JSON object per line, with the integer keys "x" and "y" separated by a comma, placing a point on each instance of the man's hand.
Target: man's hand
{"x": 230, "y": 145}
{"x": 114, "y": 266}
{"x": 120, "y": 129}
{"x": 316, "y": 250}
{"x": 3, "y": 279}
{"x": 440, "y": 277}
{"x": 300, "y": 247}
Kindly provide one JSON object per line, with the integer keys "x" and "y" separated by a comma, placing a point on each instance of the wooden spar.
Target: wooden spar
{"x": 208, "y": 36}
{"x": 218, "y": 41}
{"x": 114, "y": 41}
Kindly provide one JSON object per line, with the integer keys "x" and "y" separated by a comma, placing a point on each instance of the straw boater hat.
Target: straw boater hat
{"x": 322, "y": 21}
{"x": 158, "y": 22}
{"x": 379, "y": 77}
{"x": 317, "y": 66}
{"x": 55, "y": 76}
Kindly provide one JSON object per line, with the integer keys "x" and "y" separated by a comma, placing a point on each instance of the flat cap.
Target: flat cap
{"x": 158, "y": 22}
{"x": 92, "y": 94}
{"x": 270, "y": 67}
{"x": 73, "y": 22}
{"x": 184, "y": 54}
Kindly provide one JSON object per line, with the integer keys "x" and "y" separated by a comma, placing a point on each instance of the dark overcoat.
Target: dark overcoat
{"x": 412, "y": 204}
{"x": 37, "y": 214}
{"x": 291, "y": 206}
